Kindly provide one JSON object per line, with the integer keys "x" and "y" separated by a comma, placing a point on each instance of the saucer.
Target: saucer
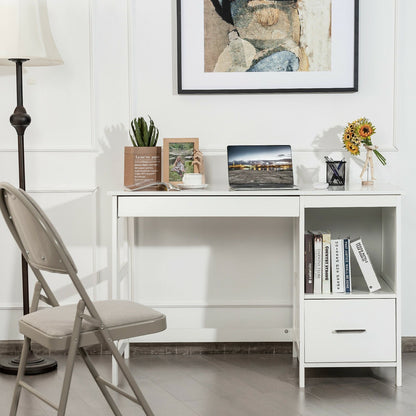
{"x": 320, "y": 185}
{"x": 186, "y": 186}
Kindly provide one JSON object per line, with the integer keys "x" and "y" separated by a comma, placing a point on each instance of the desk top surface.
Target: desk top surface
{"x": 213, "y": 191}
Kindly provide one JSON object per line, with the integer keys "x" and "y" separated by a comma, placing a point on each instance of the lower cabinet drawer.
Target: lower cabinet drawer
{"x": 350, "y": 330}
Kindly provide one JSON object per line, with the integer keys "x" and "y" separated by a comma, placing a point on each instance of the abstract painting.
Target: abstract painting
{"x": 268, "y": 35}
{"x": 267, "y": 45}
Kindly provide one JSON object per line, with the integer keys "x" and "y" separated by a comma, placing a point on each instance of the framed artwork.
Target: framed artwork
{"x": 264, "y": 46}
{"x": 177, "y": 158}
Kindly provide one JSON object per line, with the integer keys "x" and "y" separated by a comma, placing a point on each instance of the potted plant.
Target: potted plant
{"x": 142, "y": 161}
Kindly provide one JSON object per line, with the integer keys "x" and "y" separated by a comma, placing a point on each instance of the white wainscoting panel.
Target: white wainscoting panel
{"x": 73, "y": 213}
{"x": 58, "y": 98}
{"x": 225, "y": 324}
{"x": 217, "y": 274}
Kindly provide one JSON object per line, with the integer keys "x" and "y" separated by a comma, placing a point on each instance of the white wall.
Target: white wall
{"x": 121, "y": 61}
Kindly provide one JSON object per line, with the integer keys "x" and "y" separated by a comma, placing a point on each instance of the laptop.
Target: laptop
{"x": 252, "y": 167}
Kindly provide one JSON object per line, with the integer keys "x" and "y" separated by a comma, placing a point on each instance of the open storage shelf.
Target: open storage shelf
{"x": 360, "y": 290}
{"x": 358, "y": 328}
{"x": 376, "y": 227}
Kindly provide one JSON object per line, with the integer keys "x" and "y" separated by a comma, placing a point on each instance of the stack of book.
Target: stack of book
{"x": 328, "y": 264}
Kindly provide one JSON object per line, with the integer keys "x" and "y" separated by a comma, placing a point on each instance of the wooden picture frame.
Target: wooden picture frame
{"x": 206, "y": 64}
{"x": 177, "y": 158}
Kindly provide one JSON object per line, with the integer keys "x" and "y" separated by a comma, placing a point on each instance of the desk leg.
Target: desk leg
{"x": 123, "y": 345}
{"x": 298, "y": 305}
{"x": 295, "y": 285}
{"x": 301, "y": 375}
{"x": 294, "y": 350}
{"x": 130, "y": 284}
{"x": 399, "y": 375}
{"x": 114, "y": 250}
{"x": 114, "y": 273}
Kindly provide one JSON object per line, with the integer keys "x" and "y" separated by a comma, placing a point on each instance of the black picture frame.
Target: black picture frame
{"x": 184, "y": 89}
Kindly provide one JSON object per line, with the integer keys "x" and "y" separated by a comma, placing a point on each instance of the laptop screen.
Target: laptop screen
{"x": 260, "y": 166}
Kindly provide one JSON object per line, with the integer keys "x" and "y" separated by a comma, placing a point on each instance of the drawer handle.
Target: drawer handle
{"x": 349, "y": 331}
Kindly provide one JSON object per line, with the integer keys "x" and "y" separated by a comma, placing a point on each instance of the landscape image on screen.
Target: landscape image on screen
{"x": 250, "y": 165}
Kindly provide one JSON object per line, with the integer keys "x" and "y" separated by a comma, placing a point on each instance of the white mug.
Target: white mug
{"x": 192, "y": 179}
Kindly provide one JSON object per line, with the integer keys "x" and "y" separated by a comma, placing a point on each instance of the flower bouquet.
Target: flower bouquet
{"x": 358, "y": 133}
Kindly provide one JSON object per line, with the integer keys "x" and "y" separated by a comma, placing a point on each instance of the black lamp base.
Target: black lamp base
{"x": 34, "y": 365}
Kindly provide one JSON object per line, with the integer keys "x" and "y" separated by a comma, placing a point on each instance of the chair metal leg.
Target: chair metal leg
{"x": 127, "y": 374}
{"x": 20, "y": 374}
{"x": 102, "y": 387}
{"x": 114, "y": 368}
{"x": 71, "y": 359}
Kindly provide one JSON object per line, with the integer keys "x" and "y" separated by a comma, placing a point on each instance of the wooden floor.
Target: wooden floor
{"x": 229, "y": 385}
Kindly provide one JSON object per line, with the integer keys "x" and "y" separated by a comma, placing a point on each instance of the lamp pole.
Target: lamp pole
{"x": 20, "y": 120}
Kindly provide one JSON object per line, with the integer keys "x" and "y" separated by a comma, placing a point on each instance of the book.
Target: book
{"x": 317, "y": 262}
{"x": 366, "y": 267}
{"x": 337, "y": 266}
{"x": 347, "y": 266}
{"x": 326, "y": 262}
{"x": 308, "y": 262}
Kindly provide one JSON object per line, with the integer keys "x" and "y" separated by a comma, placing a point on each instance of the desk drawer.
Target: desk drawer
{"x": 206, "y": 206}
{"x": 350, "y": 330}
{"x": 346, "y": 201}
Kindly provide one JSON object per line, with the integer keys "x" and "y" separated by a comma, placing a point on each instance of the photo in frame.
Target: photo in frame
{"x": 177, "y": 158}
{"x": 264, "y": 46}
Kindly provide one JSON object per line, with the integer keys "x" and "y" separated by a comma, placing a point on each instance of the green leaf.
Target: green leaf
{"x": 155, "y": 132}
{"x": 156, "y": 137}
{"x": 133, "y": 137}
{"x": 143, "y": 134}
{"x": 140, "y": 135}
{"x": 380, "y": 157}
{"x": 136, "y": 130}
{"x": 151, "y": 133}
{"x": 132, "y": 140}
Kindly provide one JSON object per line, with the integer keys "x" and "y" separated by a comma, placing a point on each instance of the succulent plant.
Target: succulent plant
{"x": 143, "y": 135}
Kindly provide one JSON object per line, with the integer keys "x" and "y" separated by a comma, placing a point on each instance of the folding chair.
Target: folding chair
{"x": 70, "y": 327}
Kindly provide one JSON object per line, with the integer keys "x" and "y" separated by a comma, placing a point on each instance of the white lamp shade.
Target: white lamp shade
{"x": 25, "y": 33}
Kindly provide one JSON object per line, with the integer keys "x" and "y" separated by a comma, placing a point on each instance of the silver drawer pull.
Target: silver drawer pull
{"x": 349, "y": 331}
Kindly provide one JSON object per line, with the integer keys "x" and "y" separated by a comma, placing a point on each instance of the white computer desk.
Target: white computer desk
{"x": 360, "y": 329}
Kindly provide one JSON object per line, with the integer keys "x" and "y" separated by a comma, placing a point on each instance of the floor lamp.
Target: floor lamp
{"x": 25, "y": 40}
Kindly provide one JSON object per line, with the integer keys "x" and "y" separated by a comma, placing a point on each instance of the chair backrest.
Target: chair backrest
{"x": 39, "y": 241}
{"x": 33, "y": 232}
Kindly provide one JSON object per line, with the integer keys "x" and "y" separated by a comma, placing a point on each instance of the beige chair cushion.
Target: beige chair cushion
{"x": 59, "y": 321}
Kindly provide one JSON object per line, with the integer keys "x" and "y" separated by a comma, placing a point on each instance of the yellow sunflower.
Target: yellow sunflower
{"x": 350, "y": 128}
{"x": 359, "y": 133}
{"x": 352, "y": 148}
{"x": 364, "y": 128}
